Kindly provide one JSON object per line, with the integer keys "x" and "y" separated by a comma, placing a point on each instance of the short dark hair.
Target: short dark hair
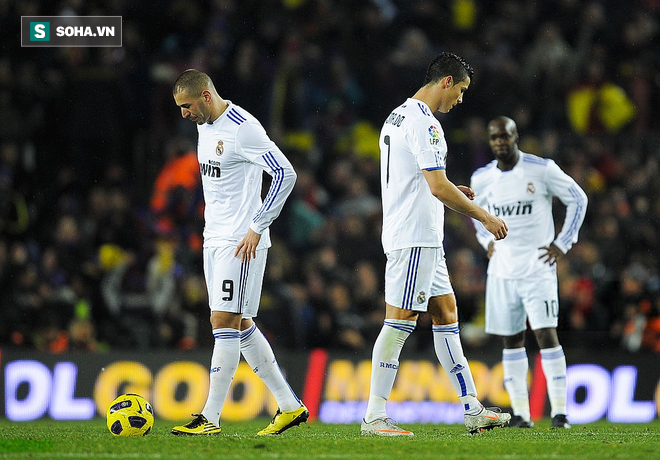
{"x": 445, "y": 64}
{"x": 193, "y": 82}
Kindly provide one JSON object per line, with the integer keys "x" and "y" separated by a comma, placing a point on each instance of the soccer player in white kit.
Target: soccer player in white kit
{"x": 233, "y": 151}
{"x": 415, "y": 190}
{"x": 521, "y": 283}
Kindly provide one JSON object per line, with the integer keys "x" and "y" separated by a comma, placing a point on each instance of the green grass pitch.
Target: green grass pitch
{"x": 45, "y": 439}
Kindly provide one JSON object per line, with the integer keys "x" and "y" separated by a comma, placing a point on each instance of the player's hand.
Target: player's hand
{"x": 496, "y": 226}
{"x": 552, "y": 254}
{"x": 467, "y": 191}
{"x": 491, "y": 249}
{"x": 247, "y": 248}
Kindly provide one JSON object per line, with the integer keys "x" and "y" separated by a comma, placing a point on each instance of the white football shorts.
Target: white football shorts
{"x": 511, "y": 302}
{"x": 413, "y": 275}
{"x": 233, "y": 286}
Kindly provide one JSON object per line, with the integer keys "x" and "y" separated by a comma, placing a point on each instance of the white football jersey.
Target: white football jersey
{"x": 411, "y": 140}
{"x": 523, "y": 198}
{"x": 233, "y": 152}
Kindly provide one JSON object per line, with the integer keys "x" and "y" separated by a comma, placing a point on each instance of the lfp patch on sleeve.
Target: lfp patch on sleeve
{"x": 434, "y": 134}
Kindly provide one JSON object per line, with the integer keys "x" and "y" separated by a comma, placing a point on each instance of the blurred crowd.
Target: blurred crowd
{"x": 100, "y": 202}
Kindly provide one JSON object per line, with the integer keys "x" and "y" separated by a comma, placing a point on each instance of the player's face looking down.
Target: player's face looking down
{"x": 454, "y": 93}
{"x": 503, "y": 139}
{"x": 197, "y": 109}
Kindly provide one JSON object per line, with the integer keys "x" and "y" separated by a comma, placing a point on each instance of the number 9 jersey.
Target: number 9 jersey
{"x": 233, "y": 152}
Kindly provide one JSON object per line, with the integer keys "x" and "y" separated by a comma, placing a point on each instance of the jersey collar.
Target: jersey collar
{"x": 229, "y": 106}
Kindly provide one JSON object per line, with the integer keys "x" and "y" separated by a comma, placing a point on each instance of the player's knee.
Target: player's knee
{"x": 443, "y": 309}
{"x": 514, "y": 341}
{"x": 547, "y": 338}
{"x": 392, "y": 312}
{"x": 445, "y": 315}
{"x": 441, "y": 317}
{"x": 221, "y": 320}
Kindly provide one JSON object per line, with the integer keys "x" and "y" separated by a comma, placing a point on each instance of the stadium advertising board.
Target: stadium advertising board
{"x": 619, "y": 387}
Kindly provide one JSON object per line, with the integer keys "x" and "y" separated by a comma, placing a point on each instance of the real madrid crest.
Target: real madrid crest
{"x": 421, "y": 297}
{"x": 220, "y": 148}
{"x": 531, "y": 189}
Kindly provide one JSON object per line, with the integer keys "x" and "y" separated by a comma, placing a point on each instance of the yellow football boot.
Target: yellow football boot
{"x": 198, "y": 426}
{"x": 285, "y": 420}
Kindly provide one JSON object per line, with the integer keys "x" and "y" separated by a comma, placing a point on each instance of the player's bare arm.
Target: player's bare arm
{"x": 247, "y": 248}
{"x": 467, "y": 191}
{"x": 552, "y": 254}
{"x": 452, "y": 197}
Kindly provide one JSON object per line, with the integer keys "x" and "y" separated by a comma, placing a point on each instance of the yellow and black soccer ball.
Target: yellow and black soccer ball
{"x": 130, "y": 415}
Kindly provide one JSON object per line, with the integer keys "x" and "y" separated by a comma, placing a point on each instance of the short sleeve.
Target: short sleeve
{"x": 429, "y": 145}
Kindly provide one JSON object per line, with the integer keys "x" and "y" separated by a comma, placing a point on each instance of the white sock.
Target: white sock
{"x": 516, "y": 367}
{"x": 385, "y": 363}
{"x": 259, "y": 355}
{"x": 553, "y": 362}
{"x": 449, "y": 351}
{"x": 224, "y": 362}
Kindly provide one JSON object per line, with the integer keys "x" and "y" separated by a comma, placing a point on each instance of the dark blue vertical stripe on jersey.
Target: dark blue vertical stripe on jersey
{"x": 278, "y": 178}
{"x": 275, "y": 186}
{"x": 574, "y": 223}
{"x": 411, "y": 278}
